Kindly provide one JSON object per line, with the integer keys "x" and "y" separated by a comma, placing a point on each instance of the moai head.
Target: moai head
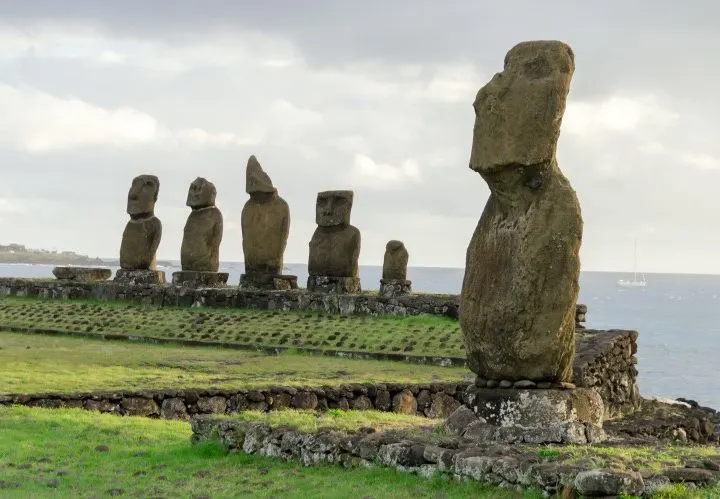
{"x": 257, "y": 182}
{"x": 201, "y": 194}
{"x": 142, "y": 195}
{"x": 333, "y": 208}
{"x": 518, "y": 113}
{"x": 395, "y": 261}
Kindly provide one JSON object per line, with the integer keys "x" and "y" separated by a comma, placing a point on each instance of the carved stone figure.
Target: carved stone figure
{"x": 265, "y": 229}
{"x": 142, "y": 234}
{"x": 517, "y": 308}
{"x": 394, "y": 276}
{"x": 335, "y": 245}
{"x": 200, "y": 250}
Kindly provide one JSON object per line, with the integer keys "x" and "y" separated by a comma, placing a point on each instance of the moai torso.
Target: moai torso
{"x": 395, "y": 261}
{"x": 335, "y": 245}
{"x": 203, "y": 232}
{"x": 265, "y": 223}
{"x": 143, "y": 232}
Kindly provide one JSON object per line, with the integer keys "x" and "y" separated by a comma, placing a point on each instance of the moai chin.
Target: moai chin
{"x": 265, "y": 228}
{"x": 335, "y": 245}
{"x": 394, "y": 275}
{"x": 200, "y": 250}
{"x": 142, "y": 234}
{"x": 517, "y": 308}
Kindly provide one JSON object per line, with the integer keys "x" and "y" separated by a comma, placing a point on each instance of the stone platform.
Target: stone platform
{"x": 395, "y": 287}
{"x": 82, "y": 274}
{"x": 277, "y": 282}
{"x": 333, "y": 285}
{"x": 197, "y": 279}
{"x": 148, "y": 276}
{"x": 537, "y": 416}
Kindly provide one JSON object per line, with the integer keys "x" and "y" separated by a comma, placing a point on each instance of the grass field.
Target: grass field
{"x": 39, "y": 363}
{"x": 422, "y": 335}
{"x": 74, "y": 453}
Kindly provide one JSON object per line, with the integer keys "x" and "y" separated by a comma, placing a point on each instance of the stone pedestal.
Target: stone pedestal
{"x": 570, "y": 416}
{"x": 336, "y": 285}
{"x": 199, "y": 279}
{"x": 146, "y": 276}
{"x": 82, "y": 274}
{"x": 268, "y": 281}
{"x": 395, "y": 287}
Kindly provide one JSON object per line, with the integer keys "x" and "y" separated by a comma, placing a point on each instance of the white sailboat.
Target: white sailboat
{"x": 635, "y": 283}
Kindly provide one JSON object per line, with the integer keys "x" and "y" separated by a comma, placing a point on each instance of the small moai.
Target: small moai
{"x": 335, "y": 246}
{"x": 517, "y": 305}
{"x": 394, "y": 275}
{"x": 142, "y": 234}
{"x": 200, "y": 249}
{"x": 265, "y": 225}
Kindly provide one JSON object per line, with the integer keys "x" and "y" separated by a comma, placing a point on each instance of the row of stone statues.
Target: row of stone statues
{"x": 334, "y": 247}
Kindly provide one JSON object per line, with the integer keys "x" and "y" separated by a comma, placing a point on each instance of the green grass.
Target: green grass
{"x": 333, "y": 419}
{"x": 419, "y": 335}
{"x": 39, "y": 363}
{"x": 74, "y": 453}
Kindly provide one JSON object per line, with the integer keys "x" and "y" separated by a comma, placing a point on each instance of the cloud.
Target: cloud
{"x": 38, "y": 122}
{"x": 382, "y": 176}
{"x": 701, "y": 161}
{"x": 11, "y": 206}
{"x": 615, "y": 114}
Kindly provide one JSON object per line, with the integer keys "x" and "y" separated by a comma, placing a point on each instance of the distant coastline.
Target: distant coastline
{"x": 18, "y": 253}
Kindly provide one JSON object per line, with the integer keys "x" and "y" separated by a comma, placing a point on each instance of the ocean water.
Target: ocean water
{"x": 677, "y": 316}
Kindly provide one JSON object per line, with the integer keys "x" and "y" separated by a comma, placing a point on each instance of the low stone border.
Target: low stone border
{"x": 235, "y": 297}
{"x": 503, "y": 465}
{"x": 430, "y": 400}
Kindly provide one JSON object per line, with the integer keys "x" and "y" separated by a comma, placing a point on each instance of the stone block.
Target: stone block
{"x": 147, "y": 276}
{"x": 199, "y": 279}
{"x": 395, "y": 287}
{"x": 268, "y": 281}
{"x": 82, "y": 274}
{"x": 333, "y": 285}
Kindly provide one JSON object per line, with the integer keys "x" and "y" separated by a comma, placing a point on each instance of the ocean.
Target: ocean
{"x": 676, "y": 316}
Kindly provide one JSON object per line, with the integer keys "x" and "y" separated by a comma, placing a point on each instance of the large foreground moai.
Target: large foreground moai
{"x": 200, "y": 250}
{"x": 394, "y": 275}
{"x": 335, "y": 245}
{"x": 517, "y": 308}
{"x": 142, "y": 234}
{"x": 265, "y": 228}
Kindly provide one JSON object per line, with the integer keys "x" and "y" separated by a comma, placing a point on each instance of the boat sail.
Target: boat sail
{"x": 635, "y": 283}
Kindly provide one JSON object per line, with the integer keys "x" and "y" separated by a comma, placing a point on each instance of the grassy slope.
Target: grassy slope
{"x": 60, "y": 453}
{"x": 38, "y": 363}
{"x": 424, "y": 335}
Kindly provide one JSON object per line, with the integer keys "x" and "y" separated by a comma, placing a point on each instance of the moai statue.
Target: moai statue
{"x": 265, "y": 229}
{"x": 200, "y": 250}
{"x": 142, "y": 234}
{"x": 394, "y": 276}
{"x": 517, "y": 305}
{"x": 335, "y": 245}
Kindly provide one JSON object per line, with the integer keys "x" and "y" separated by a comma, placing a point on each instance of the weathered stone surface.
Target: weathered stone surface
{"x": 521, "y": 277}
{"x": 135, "y": 277}
{"x": 460, "y": 419}
{"x": 198, "y": 279}
{"x": 333, "y": 285}
{"x": 442, "y": 406}
{"x": 140, "y": 406}
{"x": 275, "y": 282}
{"x": 142, "y": 233}
{"x": 173, "y": 408}
{"x": 203, "y": 232}
{"x": 82, "y": 274}
{"x": 391, "y": 288}
{"x": 395, "y": 261}
{"x": 265, "y": 224}
{"x": 305, "y": 400}
{"x": 404, "y": 402}
{"x": 335, "y": 244}
{"x": 212, "y": 405}
{"x": 601, "y": 483}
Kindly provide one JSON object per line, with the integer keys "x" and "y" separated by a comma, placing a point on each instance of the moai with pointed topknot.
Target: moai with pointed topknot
{"x": 394, "y": 276}
{"x": 517, "y": 305}
{"x": 142, "y": 234}
{"x": 265, "y": 228}
{"x": 335, "y": 245}
{"x": 200, "y": 250}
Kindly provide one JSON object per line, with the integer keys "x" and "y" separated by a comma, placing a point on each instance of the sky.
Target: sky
{"x": 374, "y": 96}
